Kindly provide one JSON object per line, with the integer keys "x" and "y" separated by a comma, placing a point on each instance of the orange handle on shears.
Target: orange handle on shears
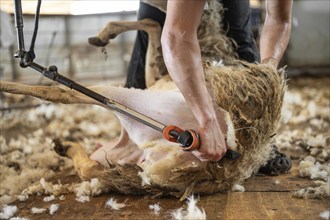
{"x": 189, "y": 139}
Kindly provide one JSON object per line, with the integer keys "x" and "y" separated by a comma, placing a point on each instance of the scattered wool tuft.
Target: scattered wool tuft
{"x": 193, "y": 212}
{"x": 286, "y": 115}
{"x": 8, "y": 211}
{"x": 49, "y": 198}
{"x": 156, "y": 208}
{"x": 277, "y": 182}
{"x": 82, "y": 199}
{"x": 36, "y": 210}
{"x": 48, "y": 187}
{"x": 312, "y": 169}
{"x": 177, "y": 214}
{"x": 5, "y": 199}
{"x": 312, "y": 108}
{"x": 112, "y": 203}
{"x": 31, "y": 151}
{"x": 216, "y": 63}
{"x": 18, "y": 218}
{"x": 231, "y": 138}
{"x": 238, "y": 188}
{"x": 318, "y": 140}
{"x": 22, "y": 197}
{"x": 53, "y": 208}
{"x": 62, "y": 197}
{"x": 94, "y": 187}
{"x": 321, "y": 190}
{"x": 145, "y": 178}
{"x": 325, "y": 214}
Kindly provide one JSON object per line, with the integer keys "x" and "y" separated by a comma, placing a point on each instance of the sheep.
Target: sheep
{"x": 248, "y": 98}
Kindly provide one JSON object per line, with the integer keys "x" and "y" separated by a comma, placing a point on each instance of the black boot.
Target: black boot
{"x": 280, "y": 164}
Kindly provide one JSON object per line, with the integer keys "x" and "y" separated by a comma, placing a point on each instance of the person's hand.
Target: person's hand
{"x": 213, "y": 145}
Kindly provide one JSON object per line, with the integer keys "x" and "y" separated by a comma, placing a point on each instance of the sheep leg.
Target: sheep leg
{"x": 48, "y": 93}
{"x": 85, "y": 167}
{"x": 121, "y": 178}
{"x": 123, "y": 150}
{"x": 154, "y": 69}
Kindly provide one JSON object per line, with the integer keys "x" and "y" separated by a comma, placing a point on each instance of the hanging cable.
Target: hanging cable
{"x": 29, "y": 56}
{"x": 36, "y": 26}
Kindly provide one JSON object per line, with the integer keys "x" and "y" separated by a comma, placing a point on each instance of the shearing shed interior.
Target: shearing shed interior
{"x": 76, "y": 143}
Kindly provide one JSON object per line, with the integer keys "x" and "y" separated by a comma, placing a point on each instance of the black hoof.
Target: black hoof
{"x": 96, "y": 42}
{"x": 280, "y": 164}
{"x": 59, "y": 148}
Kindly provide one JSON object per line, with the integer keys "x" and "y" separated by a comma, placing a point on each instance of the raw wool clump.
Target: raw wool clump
{"x": 169, "y": 169}
{"x": 28, "y": 157}
{"x": 321, "y": 190}
{"x": 238, "y": 188}
{"x": 49, "y": 198}
{"x": 8, "y": 211}
{"x": 92, "y": 188}
{"x": 96, "y": 186}
{"x": 312, "y": 169}
{"x": 53, "y": 208}
{"x": 192, "y": 212}
{"x": 82, "y": 199}
{"x": 144, "y": 177}
{"x": 212, "y": 37}
{"x": 4, "y": 147}
{"x": 113, "y": 204}
{"x": 22, "y": 198}
{"x": 82, "y": 190}
{"x": 254, "y": 105}
{"x": 156, "y": 208}
{"x": 5, "y": 199}
{"x": 35, "y": 210}
{"x": 309, "y": 167}
{"x": 46, "y": 188}
{"x": 231, "y": 138}
{"x": 309, "y": 109}
{"x": 317, "y": 141}
{"x": 18, "y": 218}
{"x": 325, "y": 214}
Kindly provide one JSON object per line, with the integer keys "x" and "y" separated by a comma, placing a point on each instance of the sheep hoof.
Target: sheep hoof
{"x": 97, "y": 42}
{"x": 280, "y": 164}
{"x": 59, "y": 148}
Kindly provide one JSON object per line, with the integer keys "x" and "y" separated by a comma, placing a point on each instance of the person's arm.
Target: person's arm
{"x": 183, "y": 60}
{"x": 276, "y": 31}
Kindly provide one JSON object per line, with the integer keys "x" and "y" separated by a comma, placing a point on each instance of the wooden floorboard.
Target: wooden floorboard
{"x": 266, "y": 197}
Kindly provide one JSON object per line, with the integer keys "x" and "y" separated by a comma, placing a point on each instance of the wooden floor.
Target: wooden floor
{"x": 266, "y": 197}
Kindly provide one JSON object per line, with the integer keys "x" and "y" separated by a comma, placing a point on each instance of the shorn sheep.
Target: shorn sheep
{"x": 248, "y": 99}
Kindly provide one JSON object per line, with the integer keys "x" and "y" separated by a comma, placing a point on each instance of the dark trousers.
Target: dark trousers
{"x": 236, "y": 20}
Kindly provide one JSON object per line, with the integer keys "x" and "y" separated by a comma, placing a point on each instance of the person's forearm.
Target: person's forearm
{"x": 274, "y": 41}
{"x": 182, "y": 56}
{"x": 276, "y": 31}
{"x": 183, "y": 60}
